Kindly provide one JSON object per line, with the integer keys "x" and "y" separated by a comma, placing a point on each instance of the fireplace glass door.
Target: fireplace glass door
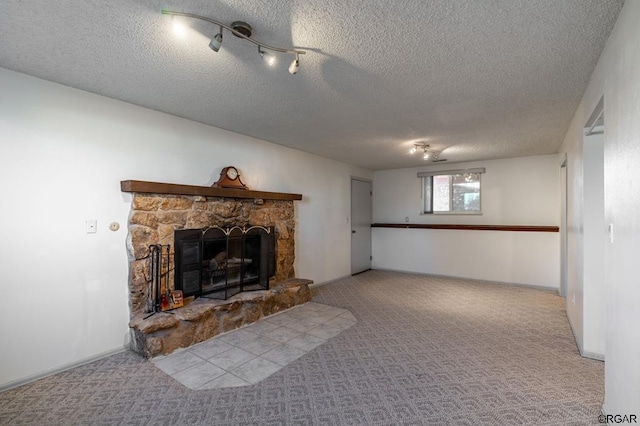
{"x": 219, "y": 263}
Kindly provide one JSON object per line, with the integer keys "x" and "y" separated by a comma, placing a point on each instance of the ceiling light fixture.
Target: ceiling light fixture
{"x": 243, "y": 30}
{"x": 425, "y": 149}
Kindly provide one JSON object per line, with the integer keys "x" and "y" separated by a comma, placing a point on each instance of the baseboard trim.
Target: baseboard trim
{"x": 592, "y": 355}
{"x": 315, "y": 285}
{"x": 532, "y": 286}
{"x": 65, "y": 367}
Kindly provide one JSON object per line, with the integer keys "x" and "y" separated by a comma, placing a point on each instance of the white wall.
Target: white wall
{"x": 516, "y": 191}
{"x": 617, "y": 76}
{"x": 63, "y": 153}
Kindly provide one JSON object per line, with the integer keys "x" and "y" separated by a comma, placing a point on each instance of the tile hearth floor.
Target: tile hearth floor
{"x": 252, "y": 353}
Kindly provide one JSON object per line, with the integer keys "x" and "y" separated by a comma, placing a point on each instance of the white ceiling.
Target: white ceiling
{"x": 477, "y": 79}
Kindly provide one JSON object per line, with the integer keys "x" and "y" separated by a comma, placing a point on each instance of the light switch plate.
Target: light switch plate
{"x": 92, "y": 226}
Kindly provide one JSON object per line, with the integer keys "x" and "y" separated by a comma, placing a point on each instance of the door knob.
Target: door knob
{"x": 353, "y": 231}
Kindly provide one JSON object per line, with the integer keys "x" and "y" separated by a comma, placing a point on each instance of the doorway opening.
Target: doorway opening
{"x": 361, "y": 195}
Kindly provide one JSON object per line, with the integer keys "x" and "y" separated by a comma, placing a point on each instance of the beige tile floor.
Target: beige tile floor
{"x": 252, "y": 353}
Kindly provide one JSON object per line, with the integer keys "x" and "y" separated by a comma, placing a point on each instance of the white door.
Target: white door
{"x": 360, "y": 226}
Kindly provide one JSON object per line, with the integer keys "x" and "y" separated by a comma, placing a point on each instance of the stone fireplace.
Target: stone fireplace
{"x": 228, "y": 226}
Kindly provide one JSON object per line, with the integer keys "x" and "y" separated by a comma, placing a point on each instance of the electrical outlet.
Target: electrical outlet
{"x": 406, "y": 219}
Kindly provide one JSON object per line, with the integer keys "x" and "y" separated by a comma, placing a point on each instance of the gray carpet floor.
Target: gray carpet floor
{"x": 425, "y": 351}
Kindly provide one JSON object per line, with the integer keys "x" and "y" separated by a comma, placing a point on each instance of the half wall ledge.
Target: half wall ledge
{"x": 516, "y": 228}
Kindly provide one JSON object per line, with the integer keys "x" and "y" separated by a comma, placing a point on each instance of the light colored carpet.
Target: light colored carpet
{"x": 425, "y": 351}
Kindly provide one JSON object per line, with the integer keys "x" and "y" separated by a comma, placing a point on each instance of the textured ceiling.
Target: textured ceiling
{"x": 477, "y": 79}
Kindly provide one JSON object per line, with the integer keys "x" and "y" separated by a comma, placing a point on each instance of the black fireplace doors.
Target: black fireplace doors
{"x": 219, "y": 263}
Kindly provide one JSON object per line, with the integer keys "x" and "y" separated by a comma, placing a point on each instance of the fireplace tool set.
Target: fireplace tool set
{"x": 160, "y": 298}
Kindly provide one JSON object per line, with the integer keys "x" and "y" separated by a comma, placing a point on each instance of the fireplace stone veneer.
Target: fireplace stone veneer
{"x": 154, "y": 218}
{"x": 162, "y": 333}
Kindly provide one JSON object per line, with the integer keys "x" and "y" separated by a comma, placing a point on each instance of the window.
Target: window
{"x": 452, "y": 191}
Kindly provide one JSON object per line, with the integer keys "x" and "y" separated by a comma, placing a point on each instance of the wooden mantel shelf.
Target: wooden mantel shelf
{"x": 143, "y": 187}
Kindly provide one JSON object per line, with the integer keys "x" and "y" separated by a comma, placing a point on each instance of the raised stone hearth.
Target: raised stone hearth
{"x": 164, "y": 332}
{"x": 154, "y": 218}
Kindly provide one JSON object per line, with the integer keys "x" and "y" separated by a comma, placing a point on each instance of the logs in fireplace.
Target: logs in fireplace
{"x": 219, "y": 262}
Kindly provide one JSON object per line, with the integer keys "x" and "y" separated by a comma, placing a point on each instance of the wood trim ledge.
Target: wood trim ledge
{"x": 205, "y": 191}
{"x": 517, "y": 228}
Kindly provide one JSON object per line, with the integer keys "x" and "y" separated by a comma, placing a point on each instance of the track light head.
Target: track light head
{"x": 216, "y": 41}
{"x": 269, "y": 58}
{"x": 293, "y": 68}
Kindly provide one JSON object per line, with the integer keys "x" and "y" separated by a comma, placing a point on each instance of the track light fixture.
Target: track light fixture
{"x": 426, "y": 151}
{"x": 243, "y": 30}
